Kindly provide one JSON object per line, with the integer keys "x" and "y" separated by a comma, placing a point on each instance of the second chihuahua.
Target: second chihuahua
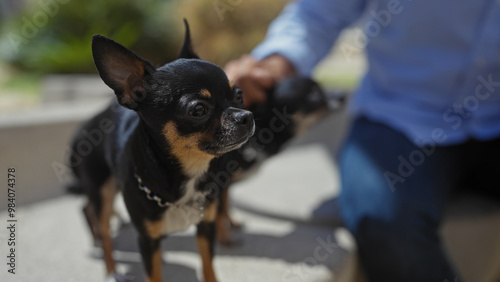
{"x": 292, "y": 107}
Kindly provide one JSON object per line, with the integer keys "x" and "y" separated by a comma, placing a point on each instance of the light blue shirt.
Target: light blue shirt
{"x": 434, "y": 65}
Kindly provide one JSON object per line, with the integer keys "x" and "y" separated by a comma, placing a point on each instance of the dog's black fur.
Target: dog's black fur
{"x": 155, "y": 145}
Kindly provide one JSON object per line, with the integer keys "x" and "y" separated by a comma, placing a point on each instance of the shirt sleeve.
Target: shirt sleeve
{"x": 306, "y": 30}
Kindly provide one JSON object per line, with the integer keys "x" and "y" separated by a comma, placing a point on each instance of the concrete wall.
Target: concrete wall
{"x": 33, "y": 141}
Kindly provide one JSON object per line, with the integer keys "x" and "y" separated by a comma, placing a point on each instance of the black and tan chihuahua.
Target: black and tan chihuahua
{"x": 161, "y": 135}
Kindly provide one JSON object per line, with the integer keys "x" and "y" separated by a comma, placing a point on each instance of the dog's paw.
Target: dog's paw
{"x": 115, "y": 277}
{"x": 230, "y": 242}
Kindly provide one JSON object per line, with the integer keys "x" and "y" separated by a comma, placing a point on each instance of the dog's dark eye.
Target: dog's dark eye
{"x": 198, "y": 111}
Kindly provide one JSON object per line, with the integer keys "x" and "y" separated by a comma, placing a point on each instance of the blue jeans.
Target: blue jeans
{"x": 393, "y": 196}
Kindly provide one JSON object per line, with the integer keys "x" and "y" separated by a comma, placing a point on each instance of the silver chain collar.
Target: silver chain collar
{"x": 150, "y": 196}
{"x": 157, "y": 199}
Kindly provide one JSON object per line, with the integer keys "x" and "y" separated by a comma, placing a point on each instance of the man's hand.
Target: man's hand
{"x": 256, "y": 77}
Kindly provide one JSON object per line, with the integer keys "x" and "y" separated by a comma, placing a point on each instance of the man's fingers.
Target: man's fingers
{"x": 252, "y": 79}
{"x": 256, "y": 77}
{"x": 263, "y": 78}
{"x": 253, "y": 93}
{"x": 240, "y": 67}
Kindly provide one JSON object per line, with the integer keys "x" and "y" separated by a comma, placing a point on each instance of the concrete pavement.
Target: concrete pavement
{"x": 280, "y": 241}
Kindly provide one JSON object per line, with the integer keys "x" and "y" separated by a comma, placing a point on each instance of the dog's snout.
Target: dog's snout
{"x": 243, "y": 117}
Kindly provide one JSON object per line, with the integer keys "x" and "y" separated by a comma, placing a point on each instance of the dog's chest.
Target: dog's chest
{"x": 187, "y": 211}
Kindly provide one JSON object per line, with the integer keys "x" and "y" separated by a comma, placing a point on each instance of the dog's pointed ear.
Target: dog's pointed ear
{"x": 187, "y": 49}
{"x": 122, "y": 70}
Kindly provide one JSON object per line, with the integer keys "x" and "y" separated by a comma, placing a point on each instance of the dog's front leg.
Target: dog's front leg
{"x": 151, "y": 255}
{"x": 205, "y": 237}
{"x": 224, "y": 220}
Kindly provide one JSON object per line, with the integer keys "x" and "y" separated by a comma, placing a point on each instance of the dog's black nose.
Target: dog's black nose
{"x": 243, "y": 117}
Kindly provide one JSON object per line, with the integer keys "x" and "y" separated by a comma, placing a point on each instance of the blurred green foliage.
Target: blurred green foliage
{"x": 53, "y": 36}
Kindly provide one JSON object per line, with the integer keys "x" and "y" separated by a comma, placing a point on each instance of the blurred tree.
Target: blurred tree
{"x": 54, "y": 35}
